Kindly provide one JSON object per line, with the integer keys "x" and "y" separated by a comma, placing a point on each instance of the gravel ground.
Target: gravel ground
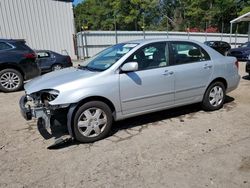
{"x": 183, "y": 147}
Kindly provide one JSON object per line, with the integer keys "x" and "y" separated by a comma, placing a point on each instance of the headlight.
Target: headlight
{"x": 49, "y": 95}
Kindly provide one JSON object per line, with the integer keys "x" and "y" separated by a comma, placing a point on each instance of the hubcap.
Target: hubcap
{"x": 216, "y": 96}
{"x": 9, "y": 80}
{"x": 57, "y": 67}
{"x": 92, "y": 122}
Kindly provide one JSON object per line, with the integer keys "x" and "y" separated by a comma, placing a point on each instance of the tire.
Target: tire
{"x": 10, "y": 80}
{"x": 92, "y": 121}
{"x": 56, "y": 67}
{"x": 214, "y": 97}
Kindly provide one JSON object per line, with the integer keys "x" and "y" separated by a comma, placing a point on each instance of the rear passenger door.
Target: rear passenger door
{"x": 192, "y": 68}
{"x": 44, "y": 59}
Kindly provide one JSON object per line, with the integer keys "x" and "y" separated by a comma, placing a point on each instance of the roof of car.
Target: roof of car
{"x": 11, "y": 40}
{"x": 144, "y": 41}
{"x": 215, "y": 41}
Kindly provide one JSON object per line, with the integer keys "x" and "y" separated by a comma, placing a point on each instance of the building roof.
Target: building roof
{"x": 243, "y": 18}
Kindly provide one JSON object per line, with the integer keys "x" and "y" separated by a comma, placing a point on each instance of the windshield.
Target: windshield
{"x": 108, "y": 57}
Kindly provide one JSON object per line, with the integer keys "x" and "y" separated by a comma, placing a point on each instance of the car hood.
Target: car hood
{"x": 57, "y": 79}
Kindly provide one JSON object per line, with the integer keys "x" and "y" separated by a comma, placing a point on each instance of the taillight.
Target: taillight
{"x": 237, "y": 64}
{"x": 68, "y": 59}
{"x": 30, "y": 55}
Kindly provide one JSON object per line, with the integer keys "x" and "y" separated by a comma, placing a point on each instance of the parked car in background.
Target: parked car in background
{"x": 17, "y": 64}
{"x": 241, "y": 53}
{"x": 51, "y": 61}
{"x": 220, "y": 46}
{"x": 130, "y": 79}
{"x": 248, "y": 65}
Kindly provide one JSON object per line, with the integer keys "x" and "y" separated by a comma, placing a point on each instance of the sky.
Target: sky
{"x": 77, "y": 1}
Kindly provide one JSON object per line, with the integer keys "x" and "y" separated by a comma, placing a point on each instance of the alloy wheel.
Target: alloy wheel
{"x": 92, "y": 122}
{"x": 216, "y": 96}
{"x": 57, "y": 67}
{"x": 10, "y": 80}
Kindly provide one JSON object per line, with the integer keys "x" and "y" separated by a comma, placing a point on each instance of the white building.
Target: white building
{"x": 44, "y": 24}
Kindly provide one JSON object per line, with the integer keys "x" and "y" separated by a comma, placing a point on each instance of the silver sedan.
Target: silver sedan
{"x": 130, "y": 79}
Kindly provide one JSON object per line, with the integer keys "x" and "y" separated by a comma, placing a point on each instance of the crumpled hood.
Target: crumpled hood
{"x": 56, "y": 79}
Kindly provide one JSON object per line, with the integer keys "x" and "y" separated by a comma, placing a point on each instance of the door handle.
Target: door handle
{"x": 206, "y": 66}
{"x": 168, "y": 73}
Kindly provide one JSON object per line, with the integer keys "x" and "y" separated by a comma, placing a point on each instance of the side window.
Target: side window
{"x": 4, "y": 46}
{"x": 151, "y": 56}
{"x": 42, "y": 54}
{"x": 224, "y": 45}
{"x": 187, "y": 52}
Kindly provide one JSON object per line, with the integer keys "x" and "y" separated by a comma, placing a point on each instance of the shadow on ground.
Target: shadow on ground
{"x": 152, "y": 118}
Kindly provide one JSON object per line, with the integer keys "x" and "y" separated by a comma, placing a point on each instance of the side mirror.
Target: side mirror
{"x": 130, "y": 67}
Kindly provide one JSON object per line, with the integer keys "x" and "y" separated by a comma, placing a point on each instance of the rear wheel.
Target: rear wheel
{"x": 214, "y": 97}
{"x": 92, "y": 121}
{"x": 10, "y": 80}
{"x": 56, "y": 67}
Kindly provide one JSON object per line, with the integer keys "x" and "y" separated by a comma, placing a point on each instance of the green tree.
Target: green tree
{"x": 128, "y": 14}
{"x": 155, "y": 14}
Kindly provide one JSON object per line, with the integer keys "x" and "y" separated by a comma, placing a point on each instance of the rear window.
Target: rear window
{"x": 4, "y": 46}
{"x": 22, "y": 46}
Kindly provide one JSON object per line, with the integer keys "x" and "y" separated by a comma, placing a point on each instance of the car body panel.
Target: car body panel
{"x": 191, "y": 81}
{"x": 149, "y": 89}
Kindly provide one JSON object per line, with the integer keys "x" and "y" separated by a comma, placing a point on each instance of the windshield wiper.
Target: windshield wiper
{"x": 90, "y": 68}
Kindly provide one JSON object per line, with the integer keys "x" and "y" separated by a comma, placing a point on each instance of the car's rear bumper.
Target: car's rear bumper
{"x": 233, "y": 83}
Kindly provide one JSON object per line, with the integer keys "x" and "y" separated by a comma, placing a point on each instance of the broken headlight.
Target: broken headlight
{"x": 49, "y": 95}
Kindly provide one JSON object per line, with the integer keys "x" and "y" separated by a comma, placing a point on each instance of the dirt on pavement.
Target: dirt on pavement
{"x": 182, "y": 147}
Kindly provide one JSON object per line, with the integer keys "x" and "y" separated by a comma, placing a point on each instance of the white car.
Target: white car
{"x": 130, "y": 79}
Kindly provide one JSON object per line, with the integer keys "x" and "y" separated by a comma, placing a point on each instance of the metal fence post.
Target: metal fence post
{"x": 222, "y": 30}
{"x": 86, "y": 44}
{"x": 83, "y": 51}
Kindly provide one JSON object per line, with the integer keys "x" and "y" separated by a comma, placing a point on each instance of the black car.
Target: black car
{"x": 220, "y": 46}
{"x": 51, "y": 61}
{"x": 17, "y": 64}
{"x": 248, "y": 66}
{"x": 241, "y": 53}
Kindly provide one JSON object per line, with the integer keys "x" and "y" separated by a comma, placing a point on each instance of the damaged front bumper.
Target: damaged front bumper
{"x": 29, "y": 110}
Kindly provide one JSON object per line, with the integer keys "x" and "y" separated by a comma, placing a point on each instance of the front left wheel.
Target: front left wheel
{"x": 92, "y": 121}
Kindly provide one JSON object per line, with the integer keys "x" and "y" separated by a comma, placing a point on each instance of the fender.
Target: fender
{"x": 69, "y": 119}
